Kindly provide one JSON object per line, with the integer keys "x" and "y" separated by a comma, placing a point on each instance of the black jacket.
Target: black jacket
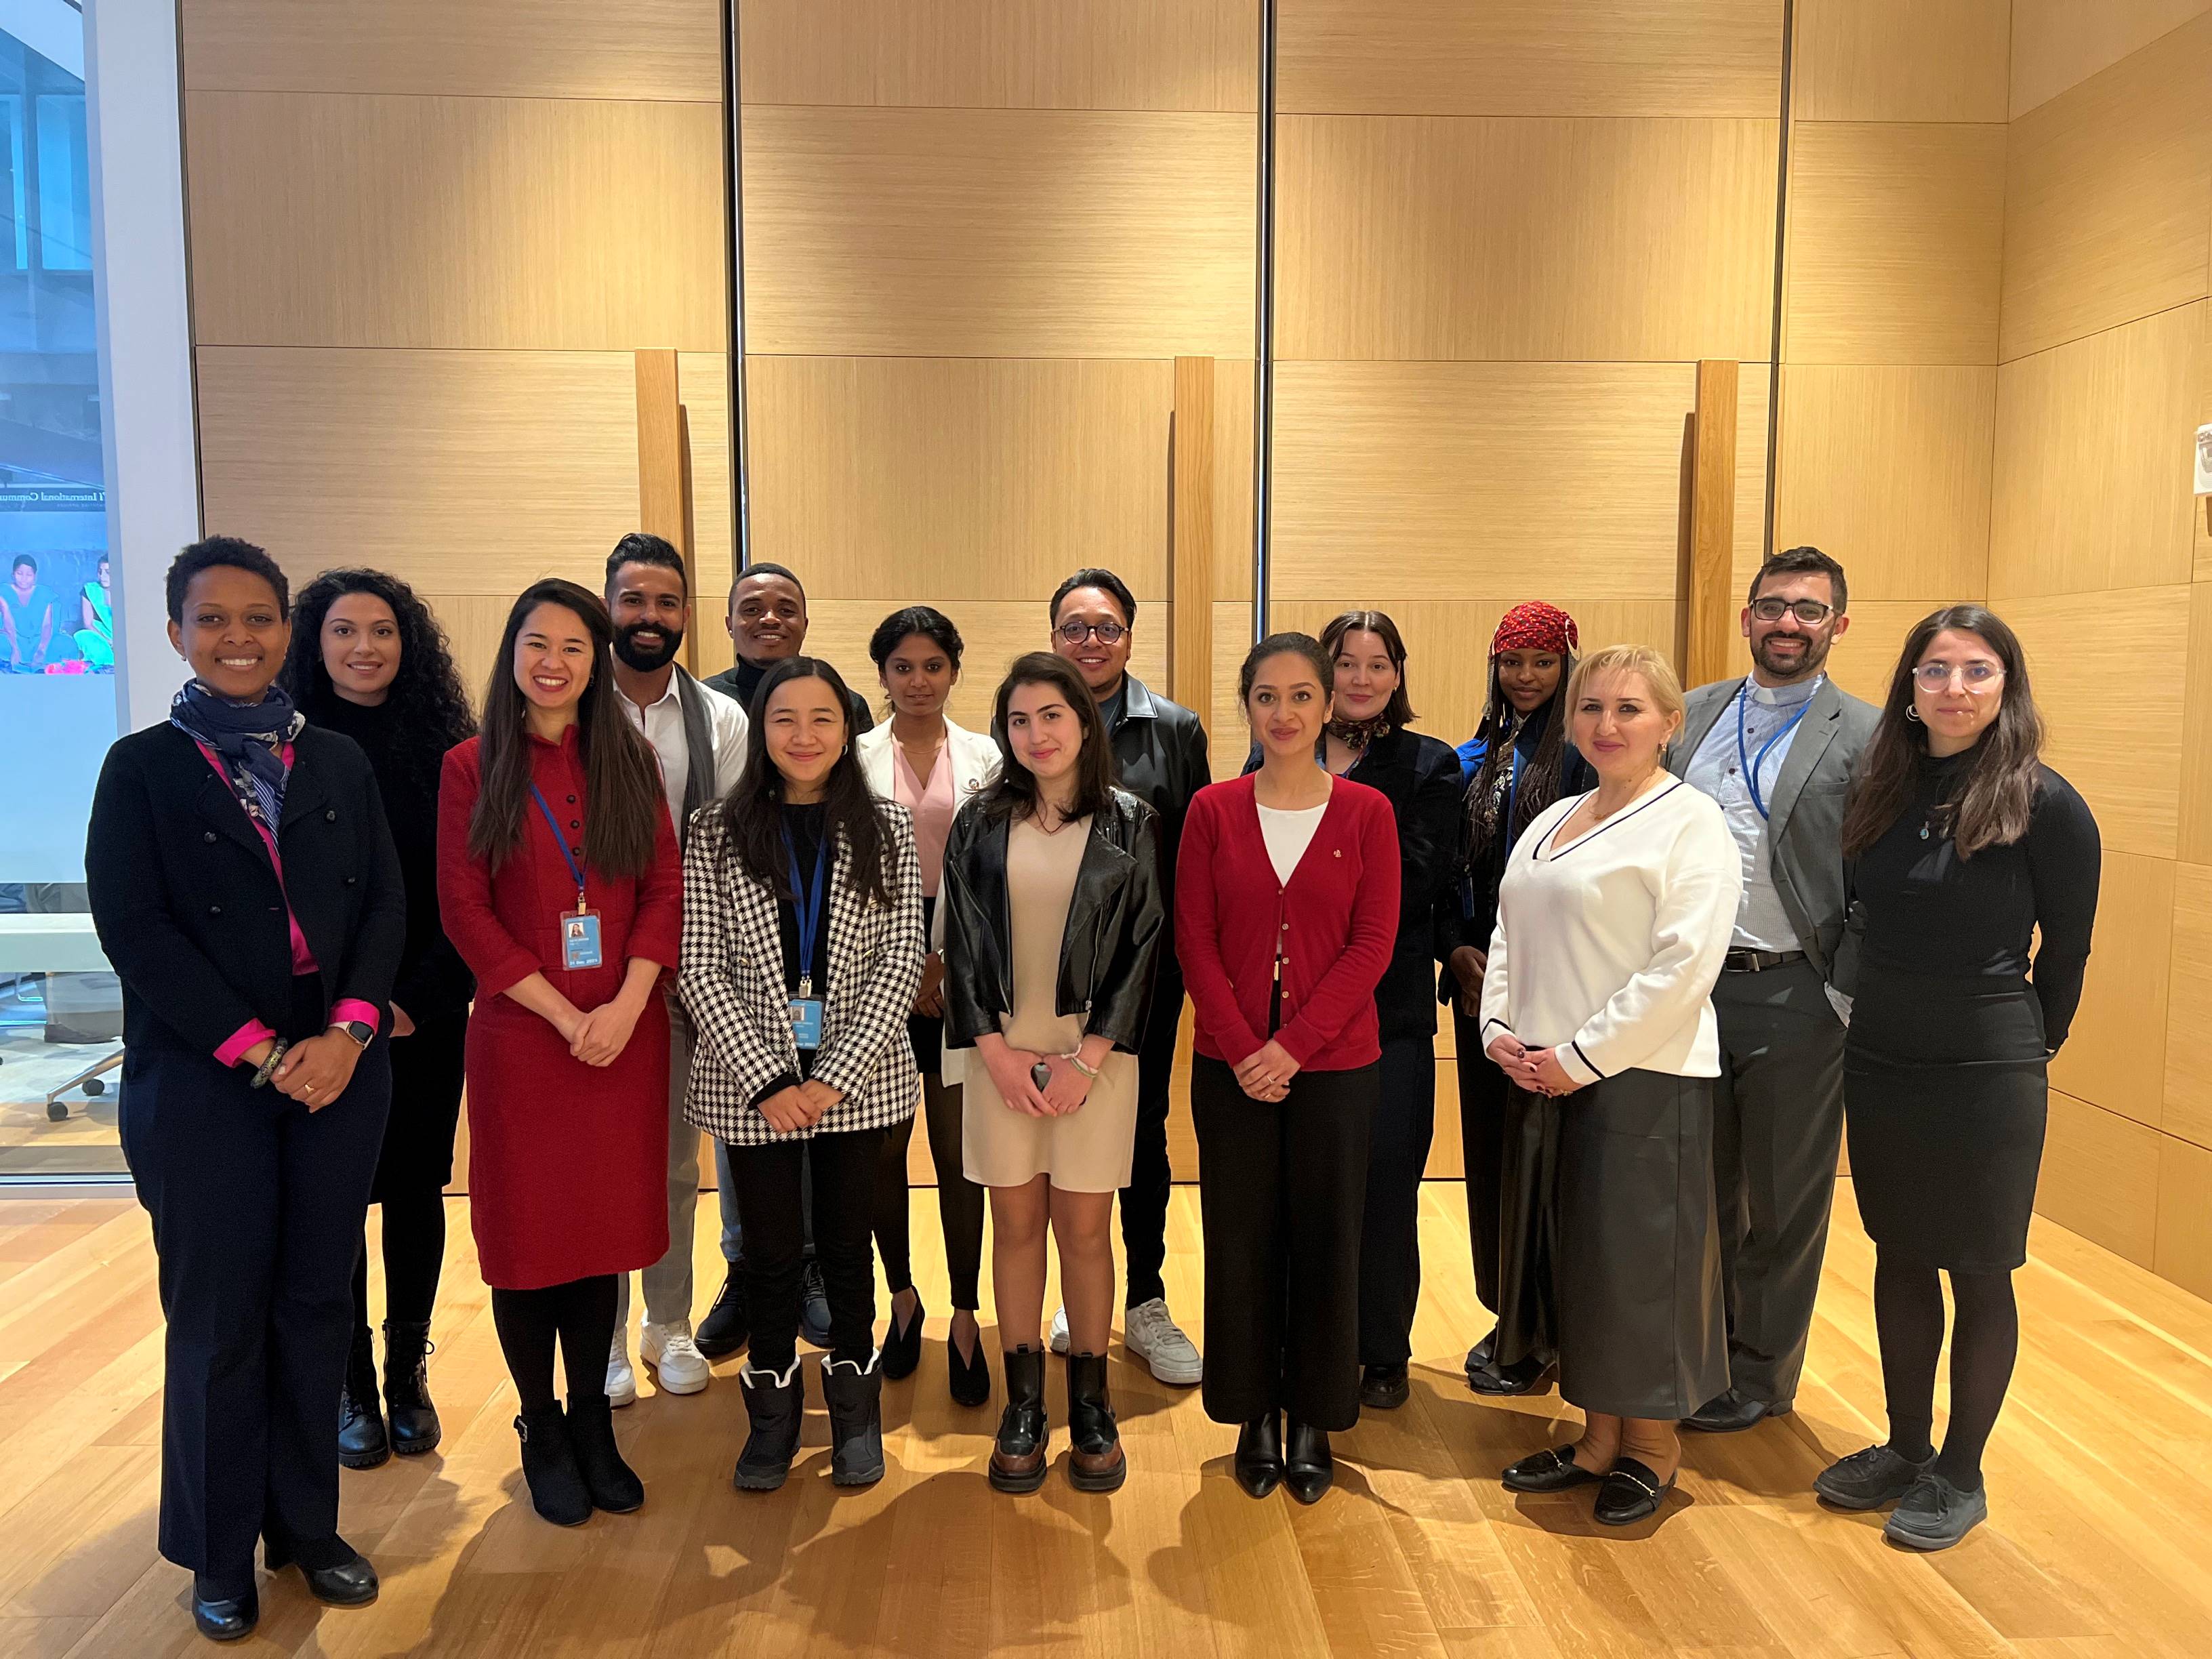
{"x": 188, "y": 907}
{"x": 1117, "y": 921}
{"x": 1160, "y": 757}
{"x": 742, "y": 679}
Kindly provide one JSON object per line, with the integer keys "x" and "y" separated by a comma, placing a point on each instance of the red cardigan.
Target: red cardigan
{"x": 1337, "y": 921}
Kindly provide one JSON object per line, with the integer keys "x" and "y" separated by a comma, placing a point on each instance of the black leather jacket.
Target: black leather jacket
{"x": 1160, "y": 757}
{"x": 1116, "y": 922}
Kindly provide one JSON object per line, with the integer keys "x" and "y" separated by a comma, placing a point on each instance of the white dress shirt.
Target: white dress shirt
{"x": 662, "y": 723}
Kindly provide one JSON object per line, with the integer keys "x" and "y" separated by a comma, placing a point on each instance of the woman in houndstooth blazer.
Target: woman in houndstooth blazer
{"x": 802, "y": 947}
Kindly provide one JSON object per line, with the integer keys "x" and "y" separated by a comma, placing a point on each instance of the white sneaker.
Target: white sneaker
{"x": 1058, "y": 1338}
{"x": 622, "y": 1381}
{"x": 676, "y": 1360}
{"x": 1149, "y": 1332}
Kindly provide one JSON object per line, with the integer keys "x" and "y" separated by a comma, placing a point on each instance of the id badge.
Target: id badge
{"x": 806, "y": 1022}
{"x": 580, "y": 940}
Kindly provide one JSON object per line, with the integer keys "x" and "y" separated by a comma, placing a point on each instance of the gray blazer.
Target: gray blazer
{"x": 1805, "y": 832}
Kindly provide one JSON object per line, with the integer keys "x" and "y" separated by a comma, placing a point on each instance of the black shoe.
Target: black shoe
{"x": 557, "y": 1491}
{"x": 345, "y": 1578}
{"x": 362, "y": 1443}
{"x": 1935, "y": 1515}
{"x": 1632, "y": 1490}
{"x": 415, "y": 1428}
{"x": 901, "y": 1349}
{"x": 1307, "y": 1468}
{"x": 614, "y": 1485}
{"x": 1732, "y": 1410}
{"x": 1259, "y": 1462}
{"x": 854, "y": 1395}
{"x": 1385, "y": 1387}
{"x": 1530, "y": 1376}
{"x": 968, "y": 1380}
{"x": 1479, "y": 1356}
{"x": 813, "y": 1305}
{"x": 1017, "y": 1459}
{"x": 1551, "y": 1470}
{"x": 222, "y": 1613}
{"x": 774, "y": 1405}
{"x": 1871, "y": 1479}
{"x": 726, "y": 1325}
{"x": 1096, "y": 1462}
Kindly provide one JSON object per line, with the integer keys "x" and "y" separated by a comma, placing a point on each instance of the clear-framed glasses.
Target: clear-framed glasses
{"x": 1979, "y": 675}
{"x": 1811, "y": 612}
{"x": 1109, "y": 632}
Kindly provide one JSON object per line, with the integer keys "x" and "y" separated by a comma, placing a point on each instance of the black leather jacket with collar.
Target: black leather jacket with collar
{"x": 1117, "y": 924}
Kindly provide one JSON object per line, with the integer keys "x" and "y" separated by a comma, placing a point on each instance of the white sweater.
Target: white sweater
{"x": 1607, "y": 947}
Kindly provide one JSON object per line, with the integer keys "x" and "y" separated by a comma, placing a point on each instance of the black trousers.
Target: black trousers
{"x": 845, "y": 1167}
{"x": 959, "y": 1200}
{"x": 1389, "y": 1236}
{"x": 1144, "y": 1199}
{"x": 413, "y": 1168}
{"x": 1483, "y": 1094}
{"x": 1281, "y": 1187}
{"x": 257, "y": 1204}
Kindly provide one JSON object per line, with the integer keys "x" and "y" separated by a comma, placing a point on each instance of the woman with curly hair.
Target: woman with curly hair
{"x": 368, "y": 660}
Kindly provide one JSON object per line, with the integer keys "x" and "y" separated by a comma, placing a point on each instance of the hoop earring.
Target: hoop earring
{"x": 1912, "y": 713}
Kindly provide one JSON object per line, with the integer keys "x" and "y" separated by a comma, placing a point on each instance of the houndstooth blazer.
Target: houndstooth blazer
{"x": 731, "y": 979}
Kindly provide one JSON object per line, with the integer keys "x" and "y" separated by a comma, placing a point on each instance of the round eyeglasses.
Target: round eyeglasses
{"x": 1980, "y": 675}
{"x": 1811, "y": 612}
{"x": 1109, "y": 632}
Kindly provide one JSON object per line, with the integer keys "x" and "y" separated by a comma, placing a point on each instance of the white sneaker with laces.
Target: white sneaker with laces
{"x": 676, "y": 1360}
{"x": 622, "y": 1381}
{"x": 1058, "y": 1337}
{"x": 1149, "y": 1332}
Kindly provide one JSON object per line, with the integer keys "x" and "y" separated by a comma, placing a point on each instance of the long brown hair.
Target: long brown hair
{"x": 622, "y": 781}
{"x": 1399, "y": 711}
{"x": 1991, "y": 804}
{"x": 1541, "y": 779}
{"x": 1014, "y": 793}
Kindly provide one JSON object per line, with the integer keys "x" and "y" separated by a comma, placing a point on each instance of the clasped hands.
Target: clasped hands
{"x": 1266, "y": 1072}
{"x": 598, "y": 1037}
{"x": 801, "y": 1106}
{"x": 314, "y": 1070}
{"x": 1537, "y": 1070}
{"x": 1065, "y": 1090}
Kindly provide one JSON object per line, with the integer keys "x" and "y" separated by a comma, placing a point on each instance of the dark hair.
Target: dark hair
{"x": 22, "y": 559}
{"x": 926, "y": 620}
{"x": 1802, "y": 561}
{"x": 1014, "y": 793}
{"x": 1286, "y": 645}
{"x": 1105, "y": 581}
{"x": 622, "y": 781}
{"x": 1540, "y": 779}
{"x": 1993, "y": 799}
{"x": 215, "y": 552}
{"x": 752, "y": 821}
{"x": 642, "y": 546}
{"x": 430, "y": 710}
{"x": 762, "y": 567}
{"x": 1400, "y": 710}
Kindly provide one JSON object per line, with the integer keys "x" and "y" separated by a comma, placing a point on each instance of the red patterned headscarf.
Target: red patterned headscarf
{"x": 1536, "y": 626}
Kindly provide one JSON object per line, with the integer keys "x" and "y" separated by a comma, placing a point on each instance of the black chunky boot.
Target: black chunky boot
{"x": 1096, "y": 1462}
{"x": 557, "y": 1491}
{"x": 612, "y": 1483}
{"x": 854, "y": 1395}
{"x": 362, "y": 1443}
{"x": 415, "y": 1428}
{"x": 1017, "y": 1461}
{"x": 774, "y": 1405}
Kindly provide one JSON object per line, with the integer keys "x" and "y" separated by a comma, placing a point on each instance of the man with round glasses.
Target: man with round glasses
{"x": 1777, "y": 749}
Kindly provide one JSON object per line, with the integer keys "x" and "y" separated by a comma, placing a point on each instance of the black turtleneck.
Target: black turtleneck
{"x": 743, "y": 679}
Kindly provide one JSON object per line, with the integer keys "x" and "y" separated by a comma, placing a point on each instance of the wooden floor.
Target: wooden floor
{"x": 2100, "y": 1544}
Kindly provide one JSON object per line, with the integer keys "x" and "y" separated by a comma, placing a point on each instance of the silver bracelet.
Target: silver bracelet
{"x": 1090, "y": 1071}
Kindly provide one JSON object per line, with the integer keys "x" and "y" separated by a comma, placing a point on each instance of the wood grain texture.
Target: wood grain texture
{"x": 1002, "y": 54}
{"x": 663, "y": 49}
{"x": 337, "y": 220}
{"x": 703, "y": 378}
{"x": 2184, "y": 1247}
{"x": 2196, "y": 731}
{"x": 1900, "y": 60}
{"x": 2203, "y": 504}
{"x": 1710, "y": 625}
{"x": 1235, "y": 479}
{"x": 474, "y": 624}
{"x": 1191, "y": 545}
{"x": 1601, "y": 57}
{"x": 998, "y": 233}
{"x": 1896, "y": 242}
{"x": 2115, "y": 1056}
{"x": 2188, "y": 1093}
{"x": 1422, "y": 238}
{"x": 2105, "y": 198}
{"x": 662, "y": 486}
{"x": 2100, "y": 1177}
{"x": 2093, "y": 450}
{"x": 1864, "y": 658}
{"x": 1889, "y": 470}
{"x": 1229, "y": 735}
{"x": 2058, "y": 44}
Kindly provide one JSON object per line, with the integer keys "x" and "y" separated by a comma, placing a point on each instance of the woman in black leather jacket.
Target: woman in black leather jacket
{"x": 1053, "y": 922}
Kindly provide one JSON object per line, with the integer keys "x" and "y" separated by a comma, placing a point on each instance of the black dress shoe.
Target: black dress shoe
{"x": 1552, "y": 1470}
{"x": 1479, "y": 1356}
{"x": 1529, "y": 1375}
{"x": 813, "y": 1305}
{"x": 224, "y": 1614}
{"x": 726, "y": 1325}
{"x": 968, "y": 1377}
{"x": 1632, "y": 1490}
{"x": 1730, "y": 1411}
{"x": 1385, "y": 1387}
{"x": 901, "y": 1349}
{"x": 337, "y": 1575}
{"x": 1307, "y": 1468}
{"x": 1259, "y": 1463}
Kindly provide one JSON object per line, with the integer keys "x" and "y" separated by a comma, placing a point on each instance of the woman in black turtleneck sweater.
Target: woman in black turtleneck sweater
{"x": 368, "y": 660}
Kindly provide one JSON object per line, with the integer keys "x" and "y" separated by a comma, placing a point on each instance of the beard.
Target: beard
{"x": 647, "y": 657}
{"x": 1787, "y": 666}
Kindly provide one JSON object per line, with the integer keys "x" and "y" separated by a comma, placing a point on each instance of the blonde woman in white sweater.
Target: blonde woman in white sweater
{"x": 1615, "y": 913}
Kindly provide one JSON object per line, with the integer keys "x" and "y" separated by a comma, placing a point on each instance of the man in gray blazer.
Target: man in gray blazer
{"x": 1776, "y": 750}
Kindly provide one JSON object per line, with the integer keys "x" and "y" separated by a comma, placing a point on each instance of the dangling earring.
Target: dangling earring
{"x": 1912, "y": 713}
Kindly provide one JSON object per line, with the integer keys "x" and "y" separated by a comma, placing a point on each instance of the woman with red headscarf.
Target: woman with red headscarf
{"x": 1518, "y": 761}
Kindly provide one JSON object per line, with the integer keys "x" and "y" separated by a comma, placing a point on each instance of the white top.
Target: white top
{"x": 662, "y": 723}
{"x": 1756, "y": 727}
{"x": 1607, "y": 947}
{"x": 1288, "y": 832}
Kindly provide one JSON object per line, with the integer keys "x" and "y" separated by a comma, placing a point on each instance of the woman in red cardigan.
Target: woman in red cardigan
{"x": 560, "y": 883}
{"x": 1286, "y": 909}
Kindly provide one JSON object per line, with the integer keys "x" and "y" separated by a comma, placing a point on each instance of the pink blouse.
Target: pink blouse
{"x": 932, "y": 804}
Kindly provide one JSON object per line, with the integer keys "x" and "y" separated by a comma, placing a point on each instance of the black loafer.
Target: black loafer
{"x": 1869, "y": 1479}
{"x": 966, "y": 1379}
{"x": 1632, "y": 1490}
{"x": 901, "y": 1349}
{"x": 1529, "y": 1375}
{"x": 1731, "y": 1412}
{"x": 1309, "y": 1469}
{"x": 1552, "y": 1470}
{"x": 221, "y": 1617}
{"x": 1479, "y": 1356}
{"x": 1384, "y": 1388}
{"x": 347, "y": 1583}
{"x": 1259, "y": 1461}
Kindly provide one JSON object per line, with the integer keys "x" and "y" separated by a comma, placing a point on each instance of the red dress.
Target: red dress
{"x": 567, "y": 1163}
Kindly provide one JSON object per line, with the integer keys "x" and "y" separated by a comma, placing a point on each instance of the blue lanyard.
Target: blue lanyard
{"x": 806, "y": 904}
{"x": 1752, "y": 768}
{"x": 561, "y": 841}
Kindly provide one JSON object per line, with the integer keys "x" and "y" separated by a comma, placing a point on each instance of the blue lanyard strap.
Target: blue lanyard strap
{"x": 1753, "y": 768}
{"x": 806, "y": 900}
{"x": 561, "y": 841}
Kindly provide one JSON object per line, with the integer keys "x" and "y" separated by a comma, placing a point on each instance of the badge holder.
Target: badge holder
{"x": 580, "y": 944}
{"x": 806, "y": 907}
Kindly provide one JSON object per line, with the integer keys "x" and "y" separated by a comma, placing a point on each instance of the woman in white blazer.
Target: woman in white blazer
{"x": 931, "y": 767}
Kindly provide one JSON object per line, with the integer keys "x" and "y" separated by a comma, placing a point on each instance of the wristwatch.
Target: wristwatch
{"x": 359, "y": 1029}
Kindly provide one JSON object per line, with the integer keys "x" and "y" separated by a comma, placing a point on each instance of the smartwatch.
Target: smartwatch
{"x": 359, "y": 1029}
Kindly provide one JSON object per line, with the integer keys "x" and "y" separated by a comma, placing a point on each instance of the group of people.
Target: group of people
{"x": 1683, "y": 941}
{"x": 42, "y": 631}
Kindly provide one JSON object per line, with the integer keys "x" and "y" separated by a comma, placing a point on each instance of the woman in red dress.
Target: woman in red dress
{"x": 560, "y": 883}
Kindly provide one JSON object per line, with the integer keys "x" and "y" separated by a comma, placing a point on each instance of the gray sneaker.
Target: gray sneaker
{"x": 1870, "y": 1478}
{"x": 1935, "y": 1515}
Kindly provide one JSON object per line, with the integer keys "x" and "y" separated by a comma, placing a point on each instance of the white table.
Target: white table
{"x": 57, "y": 944}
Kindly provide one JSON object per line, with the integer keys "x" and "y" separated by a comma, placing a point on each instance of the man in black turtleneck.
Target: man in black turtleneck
{"x": 767, "y": 623}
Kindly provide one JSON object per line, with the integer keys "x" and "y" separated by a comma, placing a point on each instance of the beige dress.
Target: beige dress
{"x": 1089, "y": 1149}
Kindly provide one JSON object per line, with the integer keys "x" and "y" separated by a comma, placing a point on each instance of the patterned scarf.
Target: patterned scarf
{"x": 249, "y": 737}
{"x": 1357, "y": 734}
{"x": 1535, "y": 626}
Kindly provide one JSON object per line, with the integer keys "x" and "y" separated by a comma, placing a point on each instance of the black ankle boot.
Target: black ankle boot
{"x": 1096, "y": 1462}
{"x": 415, "y": 1428}
{"x": 362, "y": 1443}
{"x": 1259, "y": 1462}
{"x": 854, "y": 1395}
{"x": 614, "y": 1486}
{"x": 1308, "y": 1468}
{"x": 223, "y": 1610}
{"x": 775, "y": 1404}
{"x": 557, "y": 1491}
{"x": 1017, "y": 1461}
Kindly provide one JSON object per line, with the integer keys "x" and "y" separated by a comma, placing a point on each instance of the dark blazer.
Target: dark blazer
{"x": 1108, "y": 949}
{"x": 188, "y": 907}
{"x": 1160, "y": 757}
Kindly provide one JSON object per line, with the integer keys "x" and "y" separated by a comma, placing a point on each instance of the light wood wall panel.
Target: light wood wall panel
{"x": 2188, "y": 1091}
{"x": 1599, "y": 57}
{"x": 1900, "y": 60}
{"x": 1227, "y": 735}
{"x": 2115, "y": 1056}
{"x": 2058, "y": 44}
{"x": 2196, "y": 731}
{"x": 2100, "y": 1177}
{"x": 2184, "y": 1246}
{"x": 702, "y": 381}
{"x": 1539, "y": 240}
{"x": 2093, "y": 453}
{"x": 1865, "y": 657}
{"x": 1002, "y": 54}
{"x": 657, "y": 49}
{"x": 2105, "y": 195}
{"x": 1234, "y": 461}
{"x": 329, "y": 220}
{"x": 2203, "y": 508}
{"x": 998, "y": 233}
{"x": 1896, "y": 242}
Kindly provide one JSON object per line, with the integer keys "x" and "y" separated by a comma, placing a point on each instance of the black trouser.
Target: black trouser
{"x": 581, "y": 1314}
{"x": 959, "y": 1200}
{"x": 412, "y": 1171}
{"x": 257, "y": 1204}
{"x": 1144, "y": 1199}
{"x": 1483, "y": 1094}
{"x": 845, "y": 1167}
{"x": 1390, "y": 1235}
{"x": 1281, "y": 1185}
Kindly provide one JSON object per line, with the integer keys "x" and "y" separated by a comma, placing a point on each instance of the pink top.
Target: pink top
{"x": 932, "y": 804}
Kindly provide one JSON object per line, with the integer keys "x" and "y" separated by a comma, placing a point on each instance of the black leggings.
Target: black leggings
{"x": 1908, "y": 1316}
{"x": 844, "y": 1167}
{"x": 959, "y": 1200}
{"x": 414, "y": 1250}
{"x": 582, "y": 1313}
